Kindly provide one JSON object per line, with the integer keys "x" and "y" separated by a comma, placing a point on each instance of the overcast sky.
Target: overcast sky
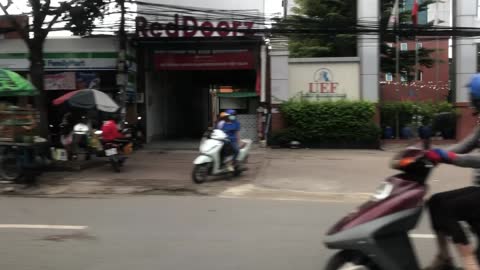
{"x": 19, "y": 6}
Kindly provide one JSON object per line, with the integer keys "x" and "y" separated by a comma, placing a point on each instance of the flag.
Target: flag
{"x": 394, "y": 16}
{"x": 415, "y": 12}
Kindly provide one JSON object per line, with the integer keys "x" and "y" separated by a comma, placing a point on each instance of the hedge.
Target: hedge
{"x": 414, "y": 114}
{"x": 329, "y": 124}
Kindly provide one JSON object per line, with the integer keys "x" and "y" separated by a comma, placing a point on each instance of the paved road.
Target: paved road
{"x": 170, "y": 233}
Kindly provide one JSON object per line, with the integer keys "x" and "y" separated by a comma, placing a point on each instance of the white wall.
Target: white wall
{"x": 465, "y": 55}
{"x": 344, "y": 71}
{"x": 108, "y": 44}
{"x": 444, "y": 12}
{"x": 279, "y": 76}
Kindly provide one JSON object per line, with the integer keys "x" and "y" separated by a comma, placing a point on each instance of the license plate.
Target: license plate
{"x": 111, "y": 152}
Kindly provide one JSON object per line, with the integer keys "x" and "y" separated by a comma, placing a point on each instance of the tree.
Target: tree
{"x": 342, "y": 14}
{"x": 78, "y": 16}
{"x": 332, "y": 13}
{"x": 407, "y": 58}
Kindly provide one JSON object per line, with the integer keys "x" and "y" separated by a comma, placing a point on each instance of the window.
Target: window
{"x": 388, "y": 77}
{"x": 403, "y": 5}
{"x": 403, "y": 46}
{"x": 420, "y": 75}
{"x": 419, "y": 45}
{"x": 403, "y": 77}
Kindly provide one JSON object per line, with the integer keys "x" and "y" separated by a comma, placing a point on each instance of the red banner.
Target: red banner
{"x": 216, "y": 61}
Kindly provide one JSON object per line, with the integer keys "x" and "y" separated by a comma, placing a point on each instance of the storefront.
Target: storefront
{"x": 189, "y": 75}
{"x": 70, "y": 64}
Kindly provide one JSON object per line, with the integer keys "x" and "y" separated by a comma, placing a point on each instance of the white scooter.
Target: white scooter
{"x": 210, "y": 163}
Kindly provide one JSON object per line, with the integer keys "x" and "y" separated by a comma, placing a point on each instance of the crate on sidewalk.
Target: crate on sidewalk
{"x": 18, "y": 124}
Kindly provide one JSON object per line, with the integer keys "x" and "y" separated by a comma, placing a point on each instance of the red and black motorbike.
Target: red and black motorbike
{"x": 376, "y": 235}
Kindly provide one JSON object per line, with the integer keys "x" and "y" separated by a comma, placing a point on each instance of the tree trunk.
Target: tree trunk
{"x": 37, "y": 77}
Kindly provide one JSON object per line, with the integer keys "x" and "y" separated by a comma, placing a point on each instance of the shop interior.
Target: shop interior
{"x": 181, "y": 106}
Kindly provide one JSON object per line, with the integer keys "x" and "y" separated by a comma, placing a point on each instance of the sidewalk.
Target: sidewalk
{"x": 273, "y": 174}
{"x": 146, "y": 171}
{"x": 343, "y": 171}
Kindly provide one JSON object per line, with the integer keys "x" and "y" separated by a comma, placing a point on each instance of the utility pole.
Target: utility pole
{"x": 285, "y": 8}
{"x": 122, "y": 61}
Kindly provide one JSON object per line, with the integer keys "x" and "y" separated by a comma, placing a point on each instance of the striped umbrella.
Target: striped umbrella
{"x": 88, "y": 99}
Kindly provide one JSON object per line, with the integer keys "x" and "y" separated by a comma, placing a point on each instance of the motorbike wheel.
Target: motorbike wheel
{"x": 9, "y": 170}
{"x": 238, "y": 171}
{"x": 200, "y": 173}
{"x": 115, "y": 164}
{"x": 348, "y": 260}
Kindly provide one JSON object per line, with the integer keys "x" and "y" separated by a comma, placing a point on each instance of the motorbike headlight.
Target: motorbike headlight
{"x": 383, "y": 191}
{"x": 81, "y": 128}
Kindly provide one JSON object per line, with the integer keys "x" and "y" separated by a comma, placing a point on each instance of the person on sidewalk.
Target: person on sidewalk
{"x": 448, "y": 209}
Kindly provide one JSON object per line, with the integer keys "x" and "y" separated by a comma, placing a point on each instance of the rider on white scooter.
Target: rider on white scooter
{"x": 447, "y": 209}
{"x": 231, "y": 126}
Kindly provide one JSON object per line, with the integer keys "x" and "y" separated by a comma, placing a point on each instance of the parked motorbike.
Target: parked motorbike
{"x": 134, "y": 133}
{"x": 210, "y": 163}
{"x": 375, "y": 236}
{"x": 115, "y": 152}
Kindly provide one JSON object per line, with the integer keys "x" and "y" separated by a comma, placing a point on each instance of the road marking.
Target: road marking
{"x": 423, "y": 236}
{"x": 41, "y": 226}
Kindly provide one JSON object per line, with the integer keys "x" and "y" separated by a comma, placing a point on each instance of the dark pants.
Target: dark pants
{"x": 228, "y": 149}
{"x": 447, "y": 209}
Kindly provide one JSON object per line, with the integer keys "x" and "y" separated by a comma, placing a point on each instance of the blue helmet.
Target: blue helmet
{"x": 474, "y": 89}
{"x": 231, "y": 112}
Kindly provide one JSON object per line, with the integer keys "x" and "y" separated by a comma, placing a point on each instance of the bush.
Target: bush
{"x": 329, "y": 124}
{"x": 414, "y": 114}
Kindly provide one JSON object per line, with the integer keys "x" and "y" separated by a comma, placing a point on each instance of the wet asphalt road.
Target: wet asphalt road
{"x": 170, "y": 233}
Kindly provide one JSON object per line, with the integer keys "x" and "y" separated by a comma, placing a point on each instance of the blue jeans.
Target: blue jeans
{"x": 235, "y": 148}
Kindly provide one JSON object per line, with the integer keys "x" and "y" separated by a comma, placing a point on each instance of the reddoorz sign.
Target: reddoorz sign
{"x": 188, "y": 26}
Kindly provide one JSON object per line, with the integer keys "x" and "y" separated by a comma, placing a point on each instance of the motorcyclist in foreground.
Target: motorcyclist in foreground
{"x": 448, "y": 209}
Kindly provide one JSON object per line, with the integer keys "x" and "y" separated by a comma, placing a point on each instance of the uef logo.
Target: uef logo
{"x": 323, "y": 82}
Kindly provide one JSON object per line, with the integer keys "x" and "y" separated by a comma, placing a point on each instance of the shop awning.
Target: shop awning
{"x": 238, "y": 95}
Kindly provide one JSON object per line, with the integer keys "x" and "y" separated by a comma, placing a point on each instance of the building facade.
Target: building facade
{"x": 193, "y": 65}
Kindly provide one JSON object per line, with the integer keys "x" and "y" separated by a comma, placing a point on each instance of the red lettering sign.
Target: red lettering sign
{"x": 188, "y": 26}
{"x": 189, "y": 21}
{"x": 216, "y": 61}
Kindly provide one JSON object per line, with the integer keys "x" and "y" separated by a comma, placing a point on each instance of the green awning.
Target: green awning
{"x": 238, "y": 95}
{"x": 12, "y": 84}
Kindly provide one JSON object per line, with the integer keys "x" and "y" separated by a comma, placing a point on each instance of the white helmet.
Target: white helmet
{"x": 218, "y": 134}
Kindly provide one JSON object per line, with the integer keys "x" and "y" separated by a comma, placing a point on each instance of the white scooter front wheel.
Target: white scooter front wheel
{"x": 200, "y": 173}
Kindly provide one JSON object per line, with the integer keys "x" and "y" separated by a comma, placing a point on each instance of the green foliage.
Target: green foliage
{"x": 312, "y": 14}
{"x": 415, "y": 114}
{"x": 81, "y": 17}
{"x": 329, "y": 122}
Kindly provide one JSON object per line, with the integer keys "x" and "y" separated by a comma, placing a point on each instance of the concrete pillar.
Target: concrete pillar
{"x": 465, "y": 57}
{"x": 368, "y": 11}
{"x": 465, "y": 53}
{"x": 280, "y": 86}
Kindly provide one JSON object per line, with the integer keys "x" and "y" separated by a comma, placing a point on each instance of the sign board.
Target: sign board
{"x": 189, "y": 26}
{"x": 216, "y": 61}
{"x": 324, "y": 81}
{"x": 87, "y": 80}
{"x": 62, "y": 61}
{"x": 60, "y": 81}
